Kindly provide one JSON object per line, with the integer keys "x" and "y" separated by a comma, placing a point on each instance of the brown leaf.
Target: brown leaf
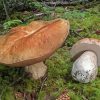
{"x": 64, "y": 96}
{"x": 98, "y": 32}
{"x": 19, "y": 95}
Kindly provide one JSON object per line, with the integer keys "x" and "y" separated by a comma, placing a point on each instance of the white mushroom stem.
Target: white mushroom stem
{"x": 37, "y": 70}
{"x": 85, "y": 67}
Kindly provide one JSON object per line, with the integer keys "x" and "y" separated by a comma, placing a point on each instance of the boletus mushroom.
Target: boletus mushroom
{"x": 86, "y": 54}
{"x": 28, "y": 46}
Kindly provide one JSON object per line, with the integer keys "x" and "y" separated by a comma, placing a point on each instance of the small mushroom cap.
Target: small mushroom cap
{"x": 86, "y": 44}
{"x": 24, "y": 46}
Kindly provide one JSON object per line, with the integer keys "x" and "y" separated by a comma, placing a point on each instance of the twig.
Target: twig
{"x": 43, "y": 2}
{"x": 36, "y": 15}
{"x": 84, "y": 98}
{"x": 54, "y": 8}
{"x": 39, "y": 14}
{"x": 17, "y": 80}
{"x": 76, "y": 33}
{"x": 41, "y": 87}
{"x": 5, "y": 8}
{"x": 43, "y": 83}
{"x": 64, "y": 3}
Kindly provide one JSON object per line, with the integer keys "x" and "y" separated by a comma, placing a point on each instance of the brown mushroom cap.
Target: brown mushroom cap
{"x": 33, "y": 43}
{"x": 86, "y": 44}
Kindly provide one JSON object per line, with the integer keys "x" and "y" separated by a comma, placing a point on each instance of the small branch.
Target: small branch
{"x": 39, "y": 14}
{"x": 76, "y": 33}
{"x": 5, "y": 8}
{"x": 41, "y": 86}
{"x": 36, "y": 15}
{"x": 64, "y": 3}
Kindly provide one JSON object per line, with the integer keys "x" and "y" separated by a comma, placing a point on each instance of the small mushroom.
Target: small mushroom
{"x": 28, "y": 46}
{"x": 86, "y": 54}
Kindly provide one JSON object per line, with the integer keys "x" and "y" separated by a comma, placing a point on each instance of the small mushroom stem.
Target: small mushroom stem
{"x": 37, "y": 70}
{"x": 85, "y": 67}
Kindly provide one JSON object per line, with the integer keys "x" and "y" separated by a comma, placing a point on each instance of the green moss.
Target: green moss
{"x": 8, "y": 94}
{"x": 42, "y": 95}
{"x": 59, "y": 10}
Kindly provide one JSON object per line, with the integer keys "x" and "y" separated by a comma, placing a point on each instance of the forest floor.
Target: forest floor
{"x": 15, "y": 83}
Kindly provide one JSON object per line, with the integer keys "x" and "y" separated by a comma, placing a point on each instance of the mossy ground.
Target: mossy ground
{"x": 58, "y": 77}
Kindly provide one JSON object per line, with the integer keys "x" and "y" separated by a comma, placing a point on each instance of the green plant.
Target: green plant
{"x": 59, "y": 10}
{"x": 11, "y": 23}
